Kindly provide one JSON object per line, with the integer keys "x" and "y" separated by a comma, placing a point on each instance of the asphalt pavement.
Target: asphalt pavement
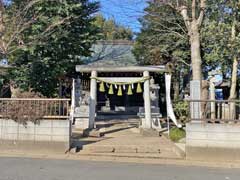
{"x": 47, "y": 169}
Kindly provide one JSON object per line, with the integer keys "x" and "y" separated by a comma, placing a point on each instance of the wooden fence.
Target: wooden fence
{"x": 214, "y": 111}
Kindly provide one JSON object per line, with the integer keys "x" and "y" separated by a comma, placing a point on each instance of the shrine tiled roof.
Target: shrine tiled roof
{"x": 111, "y": 53}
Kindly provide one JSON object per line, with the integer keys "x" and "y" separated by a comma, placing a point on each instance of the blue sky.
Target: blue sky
{"x": 125, "y": 12}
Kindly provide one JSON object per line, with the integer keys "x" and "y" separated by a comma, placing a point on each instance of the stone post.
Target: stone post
{"x": 92, "y": 100}
{"x": 195, "y": 94}
{"x": 73, "y": 95}
{"x": 73, "y": 101}
{"x": 78, "y": 91}
{"x": 212, "y": 97}
{"x": 147, "y": 102}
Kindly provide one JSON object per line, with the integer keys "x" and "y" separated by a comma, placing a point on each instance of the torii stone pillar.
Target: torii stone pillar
{"x": 93, "y": 99}
{"x": 147, "y": 102}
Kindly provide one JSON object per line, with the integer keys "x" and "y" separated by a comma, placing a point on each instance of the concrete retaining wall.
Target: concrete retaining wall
{"x": 213, "y": 141}
{"x": 48, "y": 135}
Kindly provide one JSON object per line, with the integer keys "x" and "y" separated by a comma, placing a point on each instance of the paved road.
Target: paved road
{"x": 35, "y": 169}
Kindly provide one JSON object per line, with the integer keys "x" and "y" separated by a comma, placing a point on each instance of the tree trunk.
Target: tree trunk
{"x": 212, "y": 97}
{"x": 195, "y": 51}
{"x": 60, "y": 89}
{"x": 233, "y": 92}
{"x": 176, "y": 88}
{"x": 204, "y": 96}
{"x": 14, "y": 91}
{"x": 197, "y": 63}
{"x": 176, "y": 85}
{"x": 193, "y": 25}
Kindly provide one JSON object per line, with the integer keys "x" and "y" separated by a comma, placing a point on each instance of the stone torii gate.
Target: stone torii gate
{"x": 145, "y": 70}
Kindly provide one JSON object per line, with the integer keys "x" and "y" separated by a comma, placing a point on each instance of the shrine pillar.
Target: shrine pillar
{"x": 93, "y": 99}
{"x": 147, "y": 102}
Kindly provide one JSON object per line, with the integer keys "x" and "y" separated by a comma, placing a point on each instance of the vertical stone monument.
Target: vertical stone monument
{"x": 195, "y": 94}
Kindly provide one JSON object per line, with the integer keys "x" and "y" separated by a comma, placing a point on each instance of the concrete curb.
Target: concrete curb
{"x": 176, "y": 149}
{"x": 125, "y": 159}
{"x": 129, "y": 155}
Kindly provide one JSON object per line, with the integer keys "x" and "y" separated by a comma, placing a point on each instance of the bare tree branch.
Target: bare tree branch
{"x": 12, "y": 29}
{"x": 184, "y": 13}
{"x": 170, "y": 31}
{"x": 202, "y": 11}
{"x": 182, "y": 61}
{"x": 193, "y": 9}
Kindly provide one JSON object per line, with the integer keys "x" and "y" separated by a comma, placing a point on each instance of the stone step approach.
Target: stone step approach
{"x": 117, "y": 147}
{"x": 129, "y": 143}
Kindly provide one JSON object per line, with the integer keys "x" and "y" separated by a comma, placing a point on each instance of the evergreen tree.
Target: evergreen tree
{"x": 163, "y": 40}
{"x": 110, "y": 30}
{"x": 51, "y": 46}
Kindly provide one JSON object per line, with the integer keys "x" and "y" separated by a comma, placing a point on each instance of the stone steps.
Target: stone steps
{"x": 119, "y": 148}
{"x": 161, "y": 155}
{"x": 165, "y": 151}
{"x": 124, "y": 149}
{"x": 105, "y": 128}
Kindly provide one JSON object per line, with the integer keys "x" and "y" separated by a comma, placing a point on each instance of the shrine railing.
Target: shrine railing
{"x": 46, "y": 108}
{"x": 214, "y": 111}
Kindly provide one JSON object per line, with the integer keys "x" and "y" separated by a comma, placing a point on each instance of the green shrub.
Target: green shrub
{"x": 176, "y": 134}
{"x": 24, "y": 111}
{"x": 181, "y": 110}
